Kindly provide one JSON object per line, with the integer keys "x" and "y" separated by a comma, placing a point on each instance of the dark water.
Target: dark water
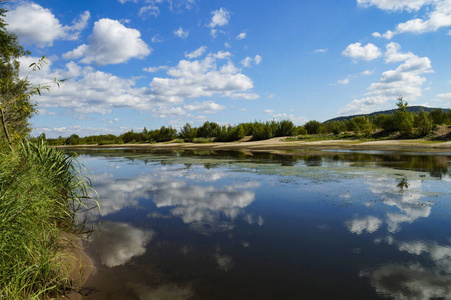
{"x": 203, "y": 225}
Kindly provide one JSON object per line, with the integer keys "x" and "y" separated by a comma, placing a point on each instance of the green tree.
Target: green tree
{"x": 188, "y": 133}
{"x": 403, "y": 118}
{"x": 16, "y": 107}
{"x": 438, "y": 116}
{"x": 312, "y": 127}
{"x": 423, "y": 123}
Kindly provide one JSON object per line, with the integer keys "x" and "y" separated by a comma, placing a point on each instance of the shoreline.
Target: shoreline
{"x": 279, "y": 145}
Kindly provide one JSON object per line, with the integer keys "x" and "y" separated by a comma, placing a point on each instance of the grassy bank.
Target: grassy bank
{"x": 40, "y": 192}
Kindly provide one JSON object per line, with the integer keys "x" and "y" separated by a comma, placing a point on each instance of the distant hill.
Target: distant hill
{"x": 414, "y": 109}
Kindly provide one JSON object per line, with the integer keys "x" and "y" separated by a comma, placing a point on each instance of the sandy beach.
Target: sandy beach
{"x": 280, "y": 145}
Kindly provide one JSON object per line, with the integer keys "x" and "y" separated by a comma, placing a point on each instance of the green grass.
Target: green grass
{"x": 41, "y": 191}
{"x": 202, "y": 140}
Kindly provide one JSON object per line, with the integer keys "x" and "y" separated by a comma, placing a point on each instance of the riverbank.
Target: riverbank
{"x": 281, "y": 145}
{"x": 41, "y": 191}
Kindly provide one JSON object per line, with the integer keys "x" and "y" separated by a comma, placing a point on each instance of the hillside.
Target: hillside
{"x": 414, "y": 109}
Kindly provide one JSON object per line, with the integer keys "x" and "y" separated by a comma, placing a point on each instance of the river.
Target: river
{"x": 230, "y": 225}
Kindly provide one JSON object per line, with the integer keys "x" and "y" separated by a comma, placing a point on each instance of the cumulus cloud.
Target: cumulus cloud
{"x": 341, "y": 82}
{"x": 406, "y": 80}
{"x": 220, "y": 18}
{"x": 196, "y": 53}
{"x": 34, "y": 24}
{"x": 90, "y": 91}
{"x": 155, "y": 69}
{"x": 444, "y": 95}
{"x": 248, "y": 61}
{"x": 110, "y": 43}
{"x": 367, "y": 52}
{"x": 438, "y": 15}
{"x": 202, "y": 78}
{"x": 321, "y": 50}
{"x": 241, "y": 36}
{"x": 181, "y": 33}
{"x": 118, "y": 243}
{"x": 152, "y": 7}
{"x": 397, "y": 5}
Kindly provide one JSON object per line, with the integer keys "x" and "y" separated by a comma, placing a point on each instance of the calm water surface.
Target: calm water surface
{"x": 202, "y": 225}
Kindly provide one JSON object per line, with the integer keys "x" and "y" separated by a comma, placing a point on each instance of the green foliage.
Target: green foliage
{"x": 41, "y": 190}
{"x": 188, "y": 133}
{"x": 312, "y": 127}
{"x": 438, "y": 117}
{"x": 208, "y": 130}
{"x": 202, "y": 140}
{"x": 423, "y": 123}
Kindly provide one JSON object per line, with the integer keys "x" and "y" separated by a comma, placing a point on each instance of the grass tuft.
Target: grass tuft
{"x": 41, "y": 191}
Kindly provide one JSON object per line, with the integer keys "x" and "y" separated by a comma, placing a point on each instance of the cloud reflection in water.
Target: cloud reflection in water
{"x": 117, "y": 243}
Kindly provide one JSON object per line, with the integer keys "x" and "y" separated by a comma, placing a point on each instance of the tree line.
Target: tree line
{"x": 402, "y": 122}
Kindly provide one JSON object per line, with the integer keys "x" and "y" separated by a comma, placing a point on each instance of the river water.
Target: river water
{"x": 224, "y": 225}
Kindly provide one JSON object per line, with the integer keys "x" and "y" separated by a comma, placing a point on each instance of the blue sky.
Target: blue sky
{"x": 131, "y": 64}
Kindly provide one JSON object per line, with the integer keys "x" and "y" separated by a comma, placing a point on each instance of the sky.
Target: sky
{"x": 131, "y": 64}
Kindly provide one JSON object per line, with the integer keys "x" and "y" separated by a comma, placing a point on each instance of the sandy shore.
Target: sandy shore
{"x": 279, "y": 145}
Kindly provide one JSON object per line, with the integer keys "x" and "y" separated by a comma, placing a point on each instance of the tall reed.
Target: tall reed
{"x": 41, "y": 190}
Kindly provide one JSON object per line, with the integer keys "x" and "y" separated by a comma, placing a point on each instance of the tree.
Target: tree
{"x": 312, "y": 127}
{"x": 403, "y": 118}
{"x": 188, "y": 133}
{"x": 16, "y": 107}
{"x": 423, "y": 123}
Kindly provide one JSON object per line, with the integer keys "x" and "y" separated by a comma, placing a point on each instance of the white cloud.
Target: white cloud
{"x": 321, "y": 50}
{"x": 406, "y": 80}
{"x": 298, "y": 120}
{"x": 193, "y": 79}
{"x": 220, "y": 18}
{"x": 155, "y": 69}
{"x": 367, "y": 72}
{"x": 438, "y": 16}
{"x": 196, "y": 53}
{"x": 157, "y": 39}
{"x": 257, "y": 59}
{"x": 37, "y": 25}
{"x": 367, "y": 52}
{"x": 110, "y": 43}
{"x": 444, "y": 96}
{"x": 241, "y": 36}
{"x": 342, "y": 82}
{"x": 181, "y": 33}
{"x": 149, "y": 9}
{"x": 247, "y": 62}
{"x": 90, "y": 91}
{"x": 393, "y": 55}
{"x": 396, "y": 5}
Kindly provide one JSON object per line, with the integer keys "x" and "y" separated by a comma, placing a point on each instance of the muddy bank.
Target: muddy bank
{"x": 77, "y": 266}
